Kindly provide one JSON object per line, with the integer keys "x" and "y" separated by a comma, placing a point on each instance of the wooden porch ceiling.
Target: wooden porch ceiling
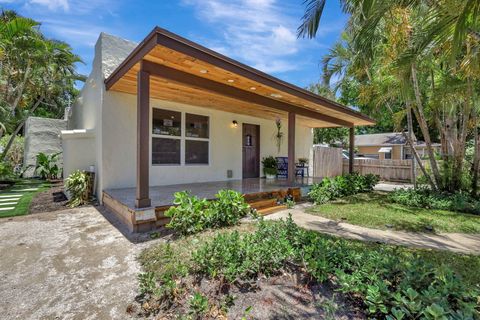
{"x": 185, "y": 72}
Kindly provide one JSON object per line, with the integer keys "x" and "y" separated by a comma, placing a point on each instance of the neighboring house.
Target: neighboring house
{"x": 391, "y": 145}
{"x": 168, "y": 111}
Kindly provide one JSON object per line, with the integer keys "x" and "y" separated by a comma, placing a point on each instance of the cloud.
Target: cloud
{"x": 53, "y": 5}
{"x": 260, "y": 32}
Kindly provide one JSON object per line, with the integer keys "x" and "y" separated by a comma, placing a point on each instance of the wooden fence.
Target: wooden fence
{"x": 327, "y": 162}
{"x": 388, "y": 170}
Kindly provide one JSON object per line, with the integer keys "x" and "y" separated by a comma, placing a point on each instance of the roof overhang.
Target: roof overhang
{"x": 186, "y": 72}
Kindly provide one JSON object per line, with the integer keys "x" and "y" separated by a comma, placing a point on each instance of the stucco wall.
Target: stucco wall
{"x": 119, "y": 144}
{"x": 41, "y": 135}
{"x": 79, "y": 150}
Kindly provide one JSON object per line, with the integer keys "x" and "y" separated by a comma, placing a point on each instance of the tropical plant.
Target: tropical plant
{"x": 15, "y": 154}
{"x": 78, "y": 185}
{"x": 270, "y": 165}
{"x": 342, "y": 186}
{"x": 6, "y": 171}
{"x": 414, "y": 60}
{"x": 278, "y": 137}
{"x": 47, "y": 165}
{"x": 36, "y": 73}
{"x": 190, "y": 215}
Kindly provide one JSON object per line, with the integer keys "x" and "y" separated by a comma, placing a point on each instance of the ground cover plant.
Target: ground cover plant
{"x": 377, "y": 210}
{"x": 341, "y": 186}
{"x": 386, "y": 282}
{"x": 424, "y": 197}
{"x": 190, "y": 214}
{"x": 77, "y": 184}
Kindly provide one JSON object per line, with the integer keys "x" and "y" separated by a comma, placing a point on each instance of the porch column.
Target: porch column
{"x": 143, "y": 147}
{"x": 351, "y": 150}
{"x": 291, "y": 147}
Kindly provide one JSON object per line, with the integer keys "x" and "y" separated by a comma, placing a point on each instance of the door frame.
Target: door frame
{"x": 257, "y": 153}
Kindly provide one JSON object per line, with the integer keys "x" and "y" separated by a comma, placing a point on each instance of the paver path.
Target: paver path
{"x": 457, "y": 242}
{"x": 71, "y": 264}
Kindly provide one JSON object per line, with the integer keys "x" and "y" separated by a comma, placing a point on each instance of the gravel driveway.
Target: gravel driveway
{"x": 70, "y": 264}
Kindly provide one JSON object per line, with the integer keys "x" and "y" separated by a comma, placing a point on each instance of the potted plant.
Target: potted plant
{"x": 303, "y": 161}
{"x": 270, "y": 167}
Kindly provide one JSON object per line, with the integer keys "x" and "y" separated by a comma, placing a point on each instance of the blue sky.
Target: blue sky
{"x": 260, "y": 33}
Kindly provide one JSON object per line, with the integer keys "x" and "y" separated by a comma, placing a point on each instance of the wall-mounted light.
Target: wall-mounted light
{"x": 234, "y": 123}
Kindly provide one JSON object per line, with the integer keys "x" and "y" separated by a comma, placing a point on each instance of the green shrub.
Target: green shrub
{"x": 14, "y": 155}
{"x": 270, "y": 165}
{"x": 47, "y": 166}
{"x": 228, "y": 209}
{"x": 386, "y": 283}
{"x": 190, "y": 214}
{"x": 78, "y": 184}
{"x": 424, "y": 197}
{"x": 6, "y": 171}
{"x": 341, "y": 186}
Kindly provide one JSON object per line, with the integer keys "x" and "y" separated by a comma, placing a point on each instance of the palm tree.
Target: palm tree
{"x": 34, "y": 71}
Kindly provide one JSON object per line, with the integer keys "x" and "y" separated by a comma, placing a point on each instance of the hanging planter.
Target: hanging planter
{"x": 278, "y": 137}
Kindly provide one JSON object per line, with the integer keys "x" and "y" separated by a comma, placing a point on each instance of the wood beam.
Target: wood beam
{"x": 291, "y": 147}
{"x": 351, "y": 150}
{"x": 175, "y": 75}
{"x": 142, "y": 199}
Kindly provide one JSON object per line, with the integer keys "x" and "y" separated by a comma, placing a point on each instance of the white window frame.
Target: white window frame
{"x": 183, "y": 138}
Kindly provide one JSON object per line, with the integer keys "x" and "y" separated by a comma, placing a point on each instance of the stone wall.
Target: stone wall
{"x": 42, "y": 135}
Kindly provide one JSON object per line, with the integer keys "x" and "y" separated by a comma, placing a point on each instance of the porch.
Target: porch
{"x": 189, "y": 102}
{"x": 259, "y": 192}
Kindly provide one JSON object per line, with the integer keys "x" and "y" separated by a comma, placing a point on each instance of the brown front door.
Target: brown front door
{"x": 251, "y": 150}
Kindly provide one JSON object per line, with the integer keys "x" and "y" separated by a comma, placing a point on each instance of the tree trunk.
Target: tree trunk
{"x": 17, "y": 130}
{"x": 424, "y": 127}
{"x": 419, "y": 161}
{"x": 410, "y": 135}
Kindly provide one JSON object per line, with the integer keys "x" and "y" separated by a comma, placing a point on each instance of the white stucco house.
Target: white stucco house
{"x": 167, "y": 114}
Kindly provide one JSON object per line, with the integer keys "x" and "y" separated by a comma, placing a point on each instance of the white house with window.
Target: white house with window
{"x": 169, "y": 112}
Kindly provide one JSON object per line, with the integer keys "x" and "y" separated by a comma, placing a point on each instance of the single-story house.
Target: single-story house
{"x": 168, "y": 114}
{"x": 390, "y": 145}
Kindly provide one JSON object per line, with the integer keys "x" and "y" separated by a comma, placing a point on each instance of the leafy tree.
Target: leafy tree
{"x": 36, "y": 73}
{"x": 419, "y": 63}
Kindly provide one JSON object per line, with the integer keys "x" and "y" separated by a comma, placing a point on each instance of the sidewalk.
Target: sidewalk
{"x": 456, "y": 242}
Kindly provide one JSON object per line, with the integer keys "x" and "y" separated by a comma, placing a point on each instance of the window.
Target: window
{"x": 196, "y": 126}
{"x": 166, "y": 136}
{"x": 196, "y": 152}
{"x": 167, "y": 123}
{"x": 388, "y": 155}
{"x": 196, "y": 139}
{"x": 165, "y": 151}
{"x": 171, "y": 140}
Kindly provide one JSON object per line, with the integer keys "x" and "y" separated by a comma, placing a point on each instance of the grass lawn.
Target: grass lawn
{"x": 375, "y": 210}
{"x": 23, "y": 205}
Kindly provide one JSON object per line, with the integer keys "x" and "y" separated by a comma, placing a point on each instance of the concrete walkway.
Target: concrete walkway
{"x": 456, "y": 242}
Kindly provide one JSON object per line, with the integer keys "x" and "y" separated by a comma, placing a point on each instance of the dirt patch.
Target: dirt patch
{"x": 49, "y": 200}
{"x": 285, "y": 296}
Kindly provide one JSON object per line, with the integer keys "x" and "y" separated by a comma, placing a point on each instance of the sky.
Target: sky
{"x": 259, "y": 33}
